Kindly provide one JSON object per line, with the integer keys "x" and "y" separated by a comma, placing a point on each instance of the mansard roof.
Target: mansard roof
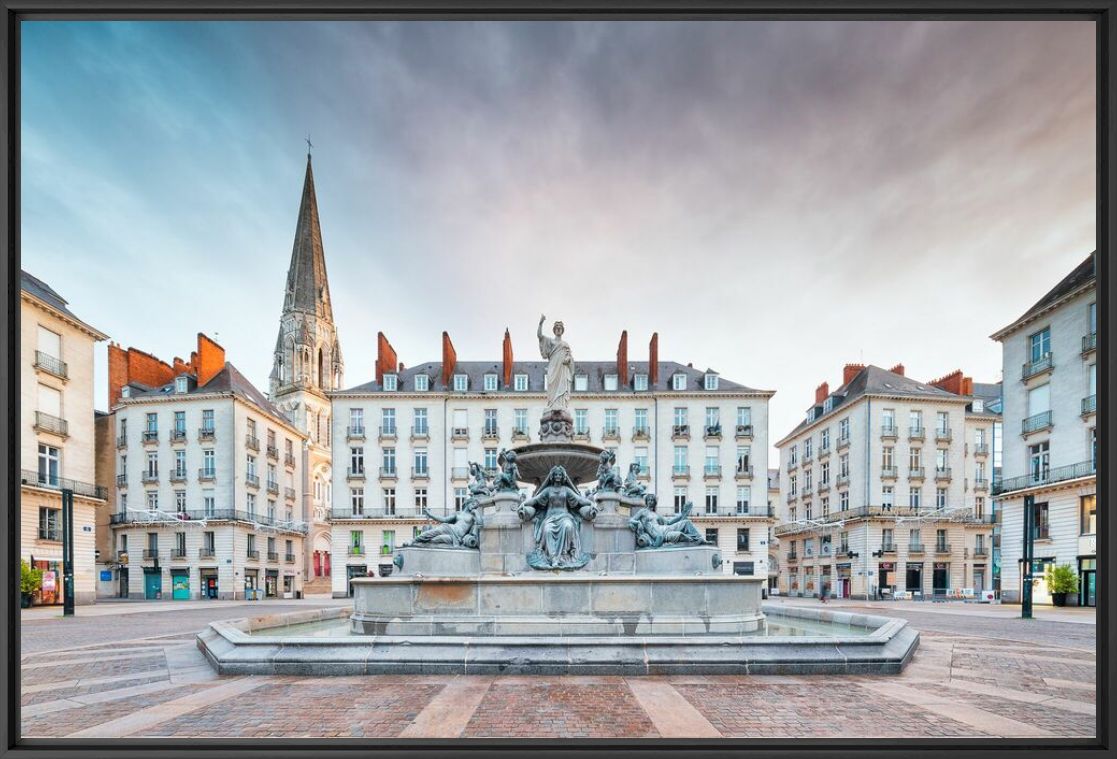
{"x": 228, "y": 380}
{"x": 595, "y": 372}
{"x": 1085, "y": 274}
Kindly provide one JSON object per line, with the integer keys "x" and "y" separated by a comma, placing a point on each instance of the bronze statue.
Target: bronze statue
{"x": 655, "y": 531}
{"x": 558, "y": 509}
{"x": 632, "y": 487}
{"x": 460, "y": 530}
{"x": 608, "y": 479}
{"x": 507, "y": 478}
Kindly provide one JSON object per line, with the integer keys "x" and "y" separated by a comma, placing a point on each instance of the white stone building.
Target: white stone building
{"x": 404, "y": 442}
{"x": 56, "y": 437}
{"x": 885, "y": 485}
{"x": 208, "y": 481}
{"x": 1050, "y": 449}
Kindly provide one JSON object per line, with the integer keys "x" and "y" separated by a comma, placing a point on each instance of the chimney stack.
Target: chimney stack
{"x": 622, "y": 360}
{"x": 210, "y": 361}
{"x": 653, "y": 360}
{"x": 386, "y": 358}
{"x": 850, "y": 371}
{"x": 821, "y": 392}
{"x": 898, "y": 369}
{"x": 506, "y": 351}
{"x": 449, "y": 359}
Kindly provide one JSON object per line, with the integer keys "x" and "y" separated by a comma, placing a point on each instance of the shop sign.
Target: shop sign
{"x": 940, "y": 565}
{"x": 50, "y": 582}
{"x": 888, "y": 566}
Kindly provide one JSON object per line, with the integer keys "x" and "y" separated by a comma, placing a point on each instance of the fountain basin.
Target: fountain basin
{"x": 535, "y": 461}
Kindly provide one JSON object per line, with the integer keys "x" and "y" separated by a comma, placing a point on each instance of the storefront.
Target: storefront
{"x": 914, "y": 577}
{"x": 271, "y": 583}
{"x": 1039, "y": 579}
{"x": 250, "y": 582}
{"x": 980, "y": 577}
{"x": 824, "y": 582}
{"x": 122, "y": 580}
{"x": 289, "y": 585}
{"x": 886, "y": 578}
{"x": 354, "y": 570}
{"x": 843, "y": 586}
{"x": 1087, "y": 581}
{"x": 940, "y": 578}
{"x": 180, "y": 584}
{"x": 50, "y": 592}
{"x": 153, "y": 583}
{"x": 209, "y": 583}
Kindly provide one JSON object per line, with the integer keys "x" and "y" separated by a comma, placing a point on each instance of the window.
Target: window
{"x": 581, "y": 382}
{"x": 680, "y": 458}
{"x": 152, "y": 472}
{"x": 712, "y": 535}
{"x": 421, "y": 461}
{"x": 942, "y": 458}
{"x": 387, "y": 458}
{"x": 250, "y": 504}
{"x": 843, "y": 500}
{"x": 180, "y": 423}
{"x": 460, "y": 496}
{"x": 744, "y": 496}
{"x": 711, "y": 381}
{"x": 808, "y": 448}
{"x": 490, "y": 458}
{"x": 50, "y": 464}
{"x": 181, "y": 384}
{"x": 640, "y": 416}
{"x": 461, "y": 383}
{"x": 356, "y": 539}
{"x": 490, "y": 381}
{"x": 824, "y": 479}
{"x": 1040, "y": 523}
{"x": 807, "y": 481}
{"x": 888, "y": 419}
{"x": 940, "y": 539}
{"x": 915, "y": 458}
{"x": 712, "y": 466}
{"x": 389, "y": 541}
{"x": 208, "y": 542}
{"x": 711, "y": 500}
{"x": 49, "y": 524}
{"x": 742, "y": 539}
{"x": 793, "y": 457}
{"x": 744, "y": 453}
{"x": 680, "y": 418}
{"x": 153, "y": 500}
{"x": 744, "y": 416}
{"x": 640, "y": 382}
{"x": 713, "y": 419}
{"x": 979, "y": 507}
{"x": 123, "y": 467}
{"x": 581, "y": 423}
{"x": 611, "y": 427}
{"x": 843, "y": 430}
{"x": 792, "y": 485}
{"x": 640, "y": 457}
{"x": 915, "y": 421}
{"x": 843, "y": 466}
{"x": 843, "y": 545}
{"x": 915, "y": 537}
{"x": 520, "y": 383}
{"x": 828, "y": 405}
{"x": 1092, "y": 317}
{"x": 887, "y": 496}
{"x": 209, "y": 463}
{"x": 678, "y": 381}
{"x": 680, "y": 499}
{"x": 940, "y": 498}
{"x": 180, "y": 543}
{"x": 422, "y": 383}
{"x": 1039, "y": 460}
{"x": 180, "y": 464}
{"x": 490, "y": 421}
{"x": 389, "y": 500}
{"x": 207, "y": 420}
{"x": 1039, "y": 344}
{"x": 421, "y": 426}
{"x": 50, "y": 343}
{"x": 915, "y": 498}
{"x": 391, "y": 382}
{"x": 250, "y": 465}
{"x": 824, "y": 502}
{"x": 519, "y": 421}
{"x": 420, "y": 500}
{"x": 610, "y": 382}
{"x": 1088, "y": 508}
{"x": 886, "y": 538}
{"x": 824, "y": 440}
{"x": 251, "y": 427}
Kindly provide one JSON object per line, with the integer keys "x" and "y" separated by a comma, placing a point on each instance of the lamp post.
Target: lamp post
{"x": 67, "y": 552}
{"x": 1029, "y": 550}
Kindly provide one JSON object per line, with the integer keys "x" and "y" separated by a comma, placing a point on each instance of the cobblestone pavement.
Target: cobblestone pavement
{"x": 141, "y": 675}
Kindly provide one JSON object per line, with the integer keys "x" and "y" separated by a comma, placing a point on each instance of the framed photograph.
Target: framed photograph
{"x": 392, "y": 379}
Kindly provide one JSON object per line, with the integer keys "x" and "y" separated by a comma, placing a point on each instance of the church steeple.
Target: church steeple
{"x": 307, "y": 350}
{"x": 308, "y": 289}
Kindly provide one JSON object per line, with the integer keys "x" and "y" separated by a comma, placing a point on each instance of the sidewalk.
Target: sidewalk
{"x": 106, "y": 607}
{"x": 1072, "y": 614}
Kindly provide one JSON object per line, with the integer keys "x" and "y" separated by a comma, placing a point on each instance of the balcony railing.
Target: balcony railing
{"x": 150, "y": 437}
{"x": 888, "y": 472}
{"x": 149, "y": 476}
{"x": 206, "y": 553}
{"x": 273, "y": 452}
{"x": 420, "y": 433}
{"x": 1089, "y": 405}
{"x": 354, "y": 473}
{"x": 289, "y": 558}
{"x": 37, "y": 479}
{"x": 206, "y": 475}
{"x": 387, "y": 432}
{"x": 45, "y": 422}
{"x": 680, "y": 431}
{"x": 50, "y": 364}
{"x": 214, "y": 515}
{"x": 942, "y": 473}
{"x": 711, "y": 471}
{"x": 355, "y": 432}
{"x": 253, "y": 553}
{"x": 252, "y": 480}
{"x": 792, "y": 556}
{"x": 252, "y": 442}
{"x": 582, "y": 433}
{"x": 888, "y": 548}
{"x": 1035, "y": 423}
{"x": 289, "y": 460}
{"x": 1045, "y": 476}
{"x": 640, "y": 433}
{"x": 356, "y": 550}
{"x": 680, "y": 471}
{"x": 289, "y": 493}
{"x": 178, "y": 553}
{"x": 915, "y": 473}
{"x": 823, "y": 452}
{"x": 712, "y": 432}
{"x": 914, "y": 548}
{"x": 943, "y": 434}
{"x": 273, "y": 556}
{"x": 459, "y": 433}
{"x": 206, "y": 433}
{"x": 823, "y": 486}
{"x": 843, "y": 479}
{"x": 981, "y": 484}
{"x": 743, "y": 472}
{"x": 178, "y": 475}
{"x": 420, "y": 473}
{"x": 273, "y": 487}
{"x": 916, "y": 433}
{"x": 942, "y": 548}
{"x": 178, "y": 436}
{"x": 459, "y": 473}
{"x": 1039, "y": 366}
{"x": 388, "y": 473}
{"x": 977, "y": 553}
{"x": 1089, "y": 342}
{"x": 843, "y": 442}
{"x": 889, "y": 432}
{"x": 981, "y": 449}
{"x": 122, "y": 441}
{"x": 743, "y": 432}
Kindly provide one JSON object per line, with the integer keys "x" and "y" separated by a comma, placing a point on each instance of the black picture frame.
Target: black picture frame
{"x": 1101, "y": 11}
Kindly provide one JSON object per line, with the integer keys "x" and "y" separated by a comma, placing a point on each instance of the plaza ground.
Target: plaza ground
{"x": 131, "y": 669}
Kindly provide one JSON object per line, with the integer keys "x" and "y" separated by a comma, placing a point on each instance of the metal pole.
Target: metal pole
{"x": 1029, "y": 547}
{"x": 67, "y": 553}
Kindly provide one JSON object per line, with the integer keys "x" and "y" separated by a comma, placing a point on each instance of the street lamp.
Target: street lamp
{"x": 1029, "y": 551}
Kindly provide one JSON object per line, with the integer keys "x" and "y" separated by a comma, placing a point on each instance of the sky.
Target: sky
{"x": 774, "y": 198}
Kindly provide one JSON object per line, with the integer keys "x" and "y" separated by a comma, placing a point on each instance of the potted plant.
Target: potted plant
{"x": 1061, "y": 580}
{"x": 30, "y": 581}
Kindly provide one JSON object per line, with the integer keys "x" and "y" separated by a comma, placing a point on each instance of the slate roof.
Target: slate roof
{"x": 39, "y": 289}
{"x": 1084, "y": 274}
{"x": 308, "y": 289}
{"x": 229, "y": 379}
{"x": 595, "y": 372}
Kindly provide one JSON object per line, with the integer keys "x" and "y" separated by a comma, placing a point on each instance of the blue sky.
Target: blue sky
{"x": 774, "y": 198}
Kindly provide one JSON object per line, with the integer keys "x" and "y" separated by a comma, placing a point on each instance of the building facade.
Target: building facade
{"x": 1050, "y": 450}
{"x": 403, "y": 443}
{"x": 207, "y": 500}
{"x": 307, "y": 364}
{"x": 56, "y": 433}
{"x": 885, "y": 488}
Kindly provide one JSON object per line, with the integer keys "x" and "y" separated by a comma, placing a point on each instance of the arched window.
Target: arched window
{"x": 321, "y": 377}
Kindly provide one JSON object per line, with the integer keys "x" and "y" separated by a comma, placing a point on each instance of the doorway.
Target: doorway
{"x": 886, "y": 578}
{"x": 122, "y": 580}
{"x": 914, "y": 579}
{"x": 209, "y": 585}
{"x": 153, "y": 585}
{"x": 1087, "y": 582}
{"x": 940, "y": 578}
{"x": 351, "y": 571}
{"x": 180, "y": 586}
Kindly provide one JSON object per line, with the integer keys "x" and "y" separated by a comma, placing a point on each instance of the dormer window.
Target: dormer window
{"x": 678, "y": 381}
{"x": 712, "y": 381}
{"x": 828, "y": 405}
{"x": 125, "y": 392}
{"x": 978, "y": 405}
{"x": 490, "y": 383}
{"x": 640, "y": 382}
{"x": 581, "y": 382}
{"x": 422, "y": 382}
{"x": 181, "y": 384}
{"x": 461, "y": 383}
{"x": 391, "y": 382}
{"x": 520, "y": 383}
{"x": 610, "y": 382}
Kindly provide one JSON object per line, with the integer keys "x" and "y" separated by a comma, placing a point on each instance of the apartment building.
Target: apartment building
{"x": 403, "y": 443}
{"x": 885, "y": 488}
{"x": 56, "y": 435}
{"x": 1050, "y": 450}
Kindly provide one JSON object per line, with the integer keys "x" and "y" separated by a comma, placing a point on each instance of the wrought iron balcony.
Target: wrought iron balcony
{"x": 51, "y": 365}
{"x": 743, "y": 432}
{"x": 289, "y": 460}
{"x": 122, "y": 480}
{"x": 915, "y": 548}
{"x": 680, "y": 431}
{"x": 712, "y": 471}
{"x": 843, "y": 480}
{"x": 357, "y": 473}
{"x": 611, "y": 433}
{"x": 178, "y": 553}
{"x": 206, "y": 553}
{"x": 942, "y": 548}
{"x": 420, "y": 433}
{"x": 206, "y": 433}
{"x": 289, "y": 493}
{"x": 743, "y": 472}
{"x": 640, "y": 432}
{"x": 151, "y": 553}
{"x": 916, "y": 433}
{"x": 387, "y": 432}
{"x": 178, "y": 436}
{"x": 273, "y": 452}
{"x": 289, "y": 558}
{"x": 47, "y": 481}
{"x": 943, "y": 434}
{"x": 843, "y": 442}
{"x": 1036, "y": 423}
{"x": 252, "y": 442}
{"x": 459, "y": 433}
{"x": 149, "y": 476}
{"x": 680, "y": 472}
{"x": 915, "y": 473}
{"x": 122, "y": 441}
{"x": 253, "y": 553}
{"x": 1034, "y": 368}
{"x": 252, "y": 480}
{"x": 1045, "y": 476}
{"x": 712, "y": 432}
{"x": 420, "y": 473}
{"x": 1089, "y": 342}
{"x": 889, "y": 432}
{"x": 356, "y": 550}
{"x": 823, "y": 452}
{"x": 387, "y": 473}
{"x": 178, "y": 475}
{"x": 55, "y": 425}
{"x": 273, "y": 487}
{"x": 355, "y": 432}
{"x": 977, "y": 553}
{"x": 888, "y": 472}
{"x": 981, "y": 484}
{"x": 942, "y": 474}
{"x": 981, "y": 449}
{"x": 207, "y": 475}
{"x": 888, "y": 548}
{"x": 1089, "y": 405}
{"x": 273, "y": 556}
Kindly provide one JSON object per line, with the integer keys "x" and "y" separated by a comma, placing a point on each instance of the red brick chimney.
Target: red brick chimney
{"x": 850, "y": 371}
{"x": 449, "y": 359}
{"x": 954, "y": 383}
{"x": 653, "y": 360}
{"x": 506, "y": 351}
{"x": 821, "y": 392}
{"x": 622, "y": 360}
{"x": 386, "y": 358}
{"x": 898, "y": 369}
{"x": 210, "y": 361}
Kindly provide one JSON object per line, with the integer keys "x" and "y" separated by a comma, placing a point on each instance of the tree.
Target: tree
{"x": 1061, "y": 579}
{"x": 30, "y": 579}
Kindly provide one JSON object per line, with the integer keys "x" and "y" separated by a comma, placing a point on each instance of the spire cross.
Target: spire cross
{"x": 309, "y": 144}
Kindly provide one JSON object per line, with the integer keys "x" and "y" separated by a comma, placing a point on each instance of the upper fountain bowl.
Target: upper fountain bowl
{"x": 535, "y": 461}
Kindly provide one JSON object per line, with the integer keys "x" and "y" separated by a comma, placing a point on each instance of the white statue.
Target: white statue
{"x": 560, "y": 367}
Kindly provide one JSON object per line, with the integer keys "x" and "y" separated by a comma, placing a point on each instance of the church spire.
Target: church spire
{"x": 308, "y": 290}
